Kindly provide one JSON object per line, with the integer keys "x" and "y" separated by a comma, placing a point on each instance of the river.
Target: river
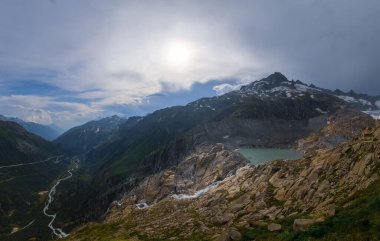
{"x": 57, "y": 231}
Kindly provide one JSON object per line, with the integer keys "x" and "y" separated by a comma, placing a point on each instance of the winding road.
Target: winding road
{"x": 30, "y": 163}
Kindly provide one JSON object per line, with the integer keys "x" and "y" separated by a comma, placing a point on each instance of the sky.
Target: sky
{"x": 70, "y": 61}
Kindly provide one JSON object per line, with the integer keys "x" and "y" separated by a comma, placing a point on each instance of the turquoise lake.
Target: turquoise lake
{"x": 260, "y": 155}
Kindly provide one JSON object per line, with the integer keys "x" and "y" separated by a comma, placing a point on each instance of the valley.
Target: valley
{"x": 189, "y": 120}
{"x": 268, "y": 161}
{"x": 28, "y": 199}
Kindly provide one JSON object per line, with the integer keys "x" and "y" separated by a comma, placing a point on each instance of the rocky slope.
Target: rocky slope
{"x": 342, "y": 126}
{"x": 304, "y": 192}
{"x": 202, "y": 168}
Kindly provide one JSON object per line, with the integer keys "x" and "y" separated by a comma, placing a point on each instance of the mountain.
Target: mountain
{"x": 81, "y": 139}
{"x": 18, "y": 145}
{"x": 178, "y": 171}
{"x": 261, "y": 114}
{"x": 331, "y": 194}
{"x": 47, "y": 132}
{"x": 272, "y": 112}
{"x": 28, "y": 166}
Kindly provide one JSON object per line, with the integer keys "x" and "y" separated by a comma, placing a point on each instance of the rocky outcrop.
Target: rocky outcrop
{"x": 342, "y": 126}
{"x": 206, "y": 166}
{"x": 246, "y": 196}
{"x": 254, "y": 195}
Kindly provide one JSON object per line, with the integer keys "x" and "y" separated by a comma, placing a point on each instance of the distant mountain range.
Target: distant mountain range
{"x": 81, "y": 139}
{"x": 48, "y": 132}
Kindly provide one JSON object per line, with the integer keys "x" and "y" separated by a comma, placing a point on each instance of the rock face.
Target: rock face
{"x": 342, "y": 126}
{"x": 206, "y": 166}
{"x": 251, "y": 195}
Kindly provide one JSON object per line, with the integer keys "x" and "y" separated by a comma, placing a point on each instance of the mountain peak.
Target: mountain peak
{"x": 276, "y": 77}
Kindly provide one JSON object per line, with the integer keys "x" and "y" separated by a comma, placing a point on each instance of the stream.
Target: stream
{"x": 57, "y": 231}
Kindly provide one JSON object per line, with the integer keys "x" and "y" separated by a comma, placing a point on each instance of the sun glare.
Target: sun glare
{"x": 178, "y": 53}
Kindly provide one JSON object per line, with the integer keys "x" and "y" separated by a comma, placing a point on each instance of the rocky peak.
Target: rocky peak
{"x": 276, "y": 78}
{"x": 278, "y": 86}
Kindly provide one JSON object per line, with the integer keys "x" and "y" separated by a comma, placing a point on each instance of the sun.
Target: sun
{"x": 178, "y": 53}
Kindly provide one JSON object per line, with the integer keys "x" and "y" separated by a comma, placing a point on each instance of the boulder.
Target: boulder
{"x": 302, "y": 224}
{"x": 242, "y": 225}
{"x": 223, "y": 219}
{"x": 223, "y": 237}
{"x": 274, "y": 227}
{"x": 235, "y": 235}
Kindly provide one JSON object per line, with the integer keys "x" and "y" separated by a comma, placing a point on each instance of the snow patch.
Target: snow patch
{"x": 373, "y": 113}
{"x": 377, "y": 103}
{"x": 348, "y": 99}
{"x": 302, "y": 88}
{"x": 197, "y": 194}
{"x": 365, "y": 102}
{"x": 320, "y": 111}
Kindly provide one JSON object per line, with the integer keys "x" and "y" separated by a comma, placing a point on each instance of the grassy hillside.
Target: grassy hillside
{"x": 19, "y": 146}
{"x": 23, "y": 188}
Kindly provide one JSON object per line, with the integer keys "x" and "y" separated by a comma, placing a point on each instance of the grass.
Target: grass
{"x": 21, "y": 195}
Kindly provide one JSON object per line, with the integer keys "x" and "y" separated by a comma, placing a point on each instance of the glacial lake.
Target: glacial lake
{"x": 260, "y": 155}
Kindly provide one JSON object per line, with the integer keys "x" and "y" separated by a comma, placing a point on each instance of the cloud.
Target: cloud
{"x": 225, "y": 88}
{"x": 120, "y": 46}
{"x": 95, "y": 57}
{"x": 46, "y": 110}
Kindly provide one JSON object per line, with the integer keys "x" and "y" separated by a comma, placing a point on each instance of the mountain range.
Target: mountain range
{"x": 177, "y": 174}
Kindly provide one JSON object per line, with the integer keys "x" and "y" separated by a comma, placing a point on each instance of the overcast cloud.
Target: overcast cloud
{"x": 76, "y": 60}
